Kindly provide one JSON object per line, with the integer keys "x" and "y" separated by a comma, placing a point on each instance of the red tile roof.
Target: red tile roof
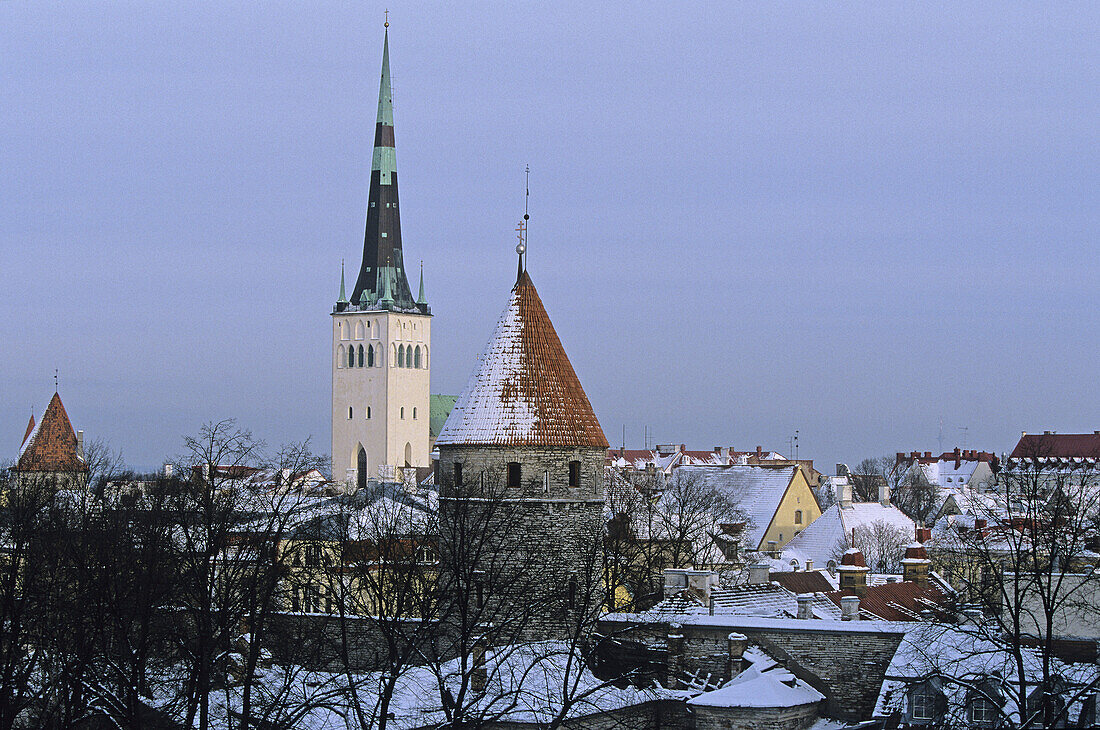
{"x": 525, "y": 391}
{"x": 809, "y": 581}
{"x": 1057, "y": 445}
{"x": 895, "y": 601}
{"x": 28, "y": 432}
{"x": 52, "y": 446}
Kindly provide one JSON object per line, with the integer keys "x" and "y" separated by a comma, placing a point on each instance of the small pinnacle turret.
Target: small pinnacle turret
{"x": 342, "y": 302}
{"x": 421, "y": 299}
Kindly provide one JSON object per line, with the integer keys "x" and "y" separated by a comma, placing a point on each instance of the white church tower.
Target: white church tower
{"x": 381, "y": 337}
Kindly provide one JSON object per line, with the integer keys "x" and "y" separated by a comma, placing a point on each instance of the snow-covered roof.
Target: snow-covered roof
{"x": 819, "y": 540}
{"x": 756, "y": 489}
{"x": 765, "y": 683}
{"x": 524, "y": 390}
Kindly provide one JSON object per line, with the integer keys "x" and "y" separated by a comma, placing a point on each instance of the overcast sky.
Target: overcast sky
{"x": 850, "y": 219}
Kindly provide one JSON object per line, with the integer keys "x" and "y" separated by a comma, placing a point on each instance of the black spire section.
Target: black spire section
{"x": 382, "y": 256}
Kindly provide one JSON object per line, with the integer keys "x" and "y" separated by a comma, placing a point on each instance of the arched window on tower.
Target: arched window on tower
{"x": 370, "y": 356}
{"x": 360, "y": 356}
{"x": 401, "y": 356}
{"x": 361, "y": 468}
{"x": 416, "y": 357}
{"x": 408, "y": 454}
{"x": 351, "y": 356}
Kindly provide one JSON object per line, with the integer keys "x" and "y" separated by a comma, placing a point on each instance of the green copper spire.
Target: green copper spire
{"x": 343, "y": 297}
{"x": 385, "y": 156}
{"x": 421, "y": 299}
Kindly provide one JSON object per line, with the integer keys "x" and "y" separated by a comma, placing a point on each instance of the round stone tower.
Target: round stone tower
{"x": 521, "y": 459}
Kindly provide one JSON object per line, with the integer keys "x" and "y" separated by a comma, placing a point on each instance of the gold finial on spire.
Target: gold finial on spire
{"x": 387, "y": 23}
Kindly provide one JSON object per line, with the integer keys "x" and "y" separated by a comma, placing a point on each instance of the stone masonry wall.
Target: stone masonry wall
{"x": 548, "y": 532}
{"x": 846, "y": 663}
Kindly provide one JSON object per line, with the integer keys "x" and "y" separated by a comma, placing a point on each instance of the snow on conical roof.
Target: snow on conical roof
{"x": 51, "y": 446}
{"x": 524, "y": 391}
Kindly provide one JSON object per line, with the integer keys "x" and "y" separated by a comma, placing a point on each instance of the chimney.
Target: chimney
{"x": 759, "y": 453}
{"x": 80, "y": 444}
{"x": 479, "y": 675}
{"x": 701, "y": 582}
{"x": 675, "y": 579}
{"x": 845, "y": 496}
{"x": 168, "y": 470}
{"x": 914, "y": 566}
{"x": 759, "y": 574}
{"x": 980, "y": 523}
{"x": 849, "y": 608}
{"x": 853, "y": 571}
{"x": 675, "y": 654}
{"x": 805, "y": 606}
{"x": 899, "y": 457}
{"x": 924, "y": 534}
{"x": 884, "y": 495}
{"x": 928, "y": 454}
{"x": 735, "y": 653}
{"x": 956, "y": 457}
{"x": 773, "y": 549}
{"x": 842, "y": 470}
{"x": 1048, "y": 433}
{"x": 809, "y": 565}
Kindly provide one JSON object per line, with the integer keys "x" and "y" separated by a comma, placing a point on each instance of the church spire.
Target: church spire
{"x": 382, "y": 237}
{"x": 343, "y": 296}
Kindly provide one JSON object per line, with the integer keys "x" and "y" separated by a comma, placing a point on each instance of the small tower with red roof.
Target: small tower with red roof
{"x": 52, "y": 453}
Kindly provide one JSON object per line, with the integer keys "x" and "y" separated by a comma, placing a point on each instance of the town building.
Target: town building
{"x": 381, "y": 336}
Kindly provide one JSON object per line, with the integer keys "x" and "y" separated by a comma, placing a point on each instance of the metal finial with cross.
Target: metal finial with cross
{"x": 387, "y": 23}
{"x": 56, "y": 380}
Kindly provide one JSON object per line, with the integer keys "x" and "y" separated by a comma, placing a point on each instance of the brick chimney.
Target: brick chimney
{"x": 914, "y": 566}
{"x": 957, "y": 457}
{"x": 735, "y": 653}
{"x": 884, "y": 495}
{"x": 675, "y": 654}
{"x": 853, "y": 571}
{"x": 924, "y": 534}
{"x": 845, "y": 496}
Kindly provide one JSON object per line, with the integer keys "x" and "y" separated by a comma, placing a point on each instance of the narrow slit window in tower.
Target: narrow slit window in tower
{"x": 574, "y": 474}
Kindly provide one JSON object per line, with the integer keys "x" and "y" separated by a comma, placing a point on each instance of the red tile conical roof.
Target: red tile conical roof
{"x": 51, "y": 446}
{"x": 524, "y": 391}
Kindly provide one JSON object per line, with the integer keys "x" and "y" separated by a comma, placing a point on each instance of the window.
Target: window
{"x": 798, "y": 517}
{"x": 360, "y": 356}
{"x": 414, "y": 414}
{"x": 458, "y": 473}
{"x": 982, "y": 711}
{"x": 370, "y": 356}
{"x": 401, "y": 356}
{"x": 313, "y": 556}
{"x": 513, "y": 474}
{"x": 416, "y": 358}
{"x": 924, "y": 704}
{"x": 350, "y": 414}
{"x": 368, "y": 413}
{"x": 571, "y": 592}
{"x": 574, "y": 474}
{"x": 351, "y": 357}
{"x": 402, "y": 411}
{"x": 361, "y": 468}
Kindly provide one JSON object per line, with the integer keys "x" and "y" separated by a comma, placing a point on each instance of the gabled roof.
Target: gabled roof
{"x": 524, "y": 391}
{"x": 820, "y": 538}
{"x": 1057, "y": 445}
{"x": 902, "y": 601}
{"x": 757, "y": 489}
{"x": 51, "y": 445}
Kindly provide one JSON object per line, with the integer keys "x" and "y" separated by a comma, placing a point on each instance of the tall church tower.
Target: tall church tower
{"x": 381, "y": 337}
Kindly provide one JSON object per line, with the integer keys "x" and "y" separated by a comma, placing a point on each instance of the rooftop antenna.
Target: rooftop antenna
{"x": 56, "y": 380}
{"x": 966, "y": 432}
{"x": 521, "y": 229}
{"x": 940, "y": 438}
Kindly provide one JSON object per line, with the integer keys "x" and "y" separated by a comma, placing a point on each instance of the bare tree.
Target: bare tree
{"x": 882, "y": 545}
{"x": 1028, "y": 561}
